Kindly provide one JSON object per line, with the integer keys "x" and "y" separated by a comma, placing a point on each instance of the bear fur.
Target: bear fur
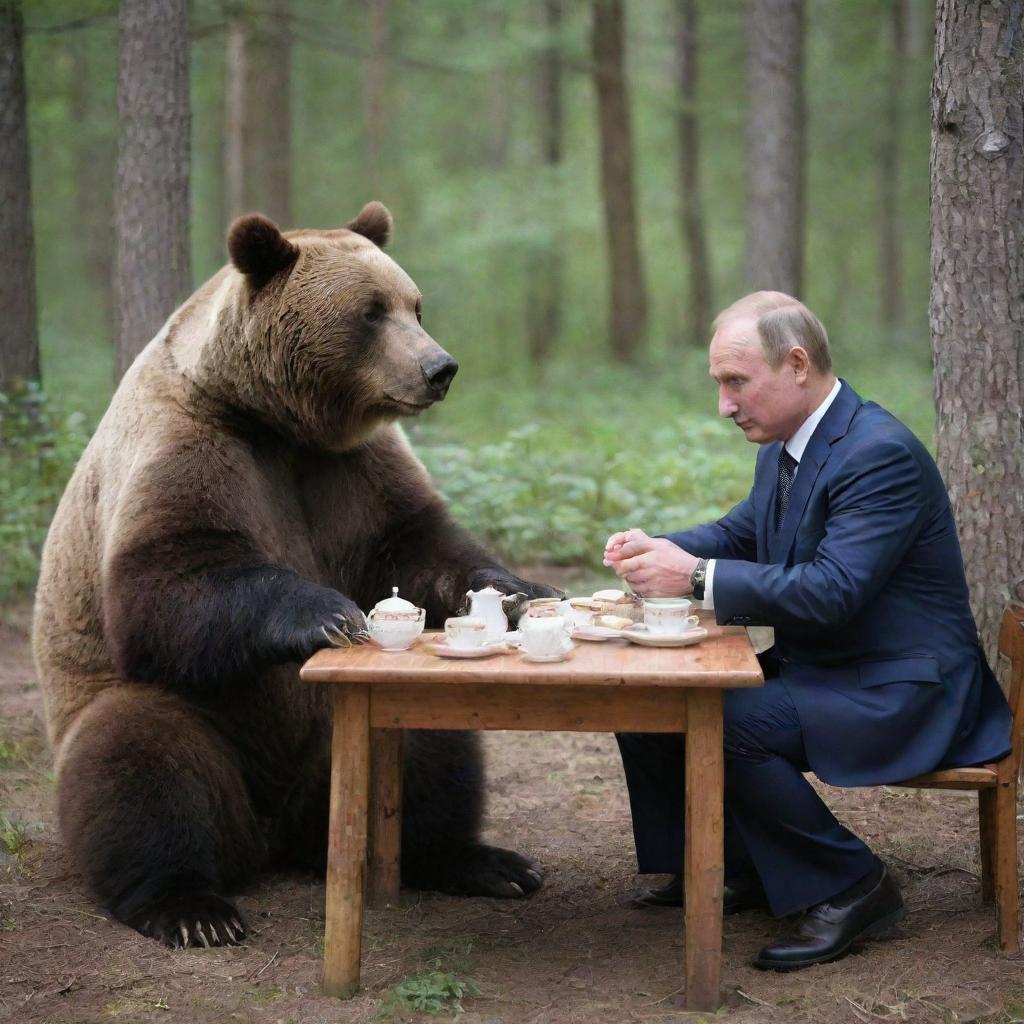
{"x": 245, "y": 495}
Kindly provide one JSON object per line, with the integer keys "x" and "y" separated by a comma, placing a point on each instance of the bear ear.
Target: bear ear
{"x": 258, "y": 249}
{"x": 373, "y": 222}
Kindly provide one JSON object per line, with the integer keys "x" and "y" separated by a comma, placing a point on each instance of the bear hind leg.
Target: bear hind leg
{"x": 156, "y": 814}
{"x": 442, "y": 811}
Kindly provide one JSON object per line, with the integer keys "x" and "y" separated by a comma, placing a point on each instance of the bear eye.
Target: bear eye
{"x": 374, "y": 313}
{"x": 419, "y": 311}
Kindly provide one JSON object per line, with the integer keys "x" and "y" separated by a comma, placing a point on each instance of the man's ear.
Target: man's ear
{"x": 797, "y": 358}
{"x": 374, "y": 221}
{"x": 258, "y": 249}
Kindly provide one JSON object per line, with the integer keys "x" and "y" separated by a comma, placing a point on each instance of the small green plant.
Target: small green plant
{"x": 39, "y": 446}
{"x": 438, "y": 990}
{"x": 13, "y": 835}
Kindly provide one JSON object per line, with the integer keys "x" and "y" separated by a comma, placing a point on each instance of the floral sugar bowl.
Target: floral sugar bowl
{"x": 395, "y": 623}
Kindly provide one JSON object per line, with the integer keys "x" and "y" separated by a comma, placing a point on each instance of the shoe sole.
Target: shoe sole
{"x": 873, "y": 931}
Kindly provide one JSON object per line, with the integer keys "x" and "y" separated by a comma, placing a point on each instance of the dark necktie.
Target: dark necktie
{"x": 787, "y": 470}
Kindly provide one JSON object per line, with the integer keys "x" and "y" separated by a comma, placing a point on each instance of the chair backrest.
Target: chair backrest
{"x": 1011, "y": 644}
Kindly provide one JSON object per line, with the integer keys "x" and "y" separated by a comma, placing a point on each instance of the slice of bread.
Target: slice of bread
{"x": 613, "y": 621}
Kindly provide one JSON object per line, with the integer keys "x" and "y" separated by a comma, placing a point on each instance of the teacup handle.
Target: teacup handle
{"x": 692, "y": 620}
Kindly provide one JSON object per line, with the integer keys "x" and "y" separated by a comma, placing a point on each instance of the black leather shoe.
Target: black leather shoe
{"x": 669, "y": 895}
{"x": 829, "y": 930}
{"x": 735, "y": 899}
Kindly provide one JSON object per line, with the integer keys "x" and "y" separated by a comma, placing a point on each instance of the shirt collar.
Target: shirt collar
{"x": 798, "y": 442}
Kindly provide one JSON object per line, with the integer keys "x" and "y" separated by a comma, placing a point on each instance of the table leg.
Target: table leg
{"x": 704, "y": 867}
{"x": 346, "y": 843}
{"x": 385, "y": 817}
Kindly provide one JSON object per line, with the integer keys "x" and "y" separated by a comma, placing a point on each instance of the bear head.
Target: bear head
{"x": 321, "y": 335}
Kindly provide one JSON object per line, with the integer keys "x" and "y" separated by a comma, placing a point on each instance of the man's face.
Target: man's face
{"x": 766, "y": 404}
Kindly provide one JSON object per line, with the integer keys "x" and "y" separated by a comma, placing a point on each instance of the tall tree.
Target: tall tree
{"x": 890, "y": 255}
{"x": 375, "y": 90}
{"x": 775, "y": 145}
{"x": 151, "y": 200}
{"x": 628, "y": 313}
{"x": 257, "y": 110}
{"x": 688, "y": 134}
{"x": 19, "y": 340}
{"x": 544, "y": 289}
{"x": 977, "y": 294}
{"x": 93, "y": 148}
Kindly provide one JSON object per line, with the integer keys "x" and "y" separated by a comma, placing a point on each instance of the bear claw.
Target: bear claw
{"x": 191, "y": 919}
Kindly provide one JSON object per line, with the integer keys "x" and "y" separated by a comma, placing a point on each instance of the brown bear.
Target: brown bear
{"x": 245, "y": 495}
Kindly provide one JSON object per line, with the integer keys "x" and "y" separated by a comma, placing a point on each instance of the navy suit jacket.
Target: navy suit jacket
{"x": 864, "y": 584}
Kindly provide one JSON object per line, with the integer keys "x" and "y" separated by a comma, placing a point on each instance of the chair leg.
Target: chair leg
{"x": 987, "y": 835}
{"x": 1006, "y": 883}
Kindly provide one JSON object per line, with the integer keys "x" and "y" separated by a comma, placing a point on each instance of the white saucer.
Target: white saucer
{"x": 563, "y": 655}
{"x": 646, "y": 638}
{"x": 444, "y": 650}
{"x": 596, "y": 633}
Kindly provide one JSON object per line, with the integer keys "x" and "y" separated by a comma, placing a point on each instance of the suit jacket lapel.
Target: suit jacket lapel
{"x": 834, "y": 425}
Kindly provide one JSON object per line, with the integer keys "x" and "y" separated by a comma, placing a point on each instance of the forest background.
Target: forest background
{"x": 479, "y": 124}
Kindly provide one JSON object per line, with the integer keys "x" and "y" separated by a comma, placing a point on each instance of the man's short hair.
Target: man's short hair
{"x": 782, "y": 323}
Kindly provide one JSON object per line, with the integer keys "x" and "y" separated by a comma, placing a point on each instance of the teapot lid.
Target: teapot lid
{"x": 487, "y": 590}
{"x": 394, "y": 603}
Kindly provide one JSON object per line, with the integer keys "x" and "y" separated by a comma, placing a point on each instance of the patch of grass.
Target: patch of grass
{"x": 14, "y": 835}
{"x": 439, "y": 990}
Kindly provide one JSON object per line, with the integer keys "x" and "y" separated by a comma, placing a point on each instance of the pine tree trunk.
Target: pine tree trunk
{"x": 977, "y": 295}
{"x": 544, "y": 293}
{"x": 93, "y": 162}
{"x": 775, "y": 145}
{"x": 19, "y": 340}
{"x": 692, "y": 215}
{"x": 890, "y": 254}
{"x": 375, "y": 89}
{"x": 234, "y": 117}
{"x": 151, "y": 201}
{"x": 628, "y": 314}
{"x": 267, "y": 122}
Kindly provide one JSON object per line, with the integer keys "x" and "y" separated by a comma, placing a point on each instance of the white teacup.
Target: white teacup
{"x": 465, "y": 632}
{"x": 669, "y": 615}
{"x": 544, "y": 636}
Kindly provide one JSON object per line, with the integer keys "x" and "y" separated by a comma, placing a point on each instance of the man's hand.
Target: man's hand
{"x": 652, "y": 566}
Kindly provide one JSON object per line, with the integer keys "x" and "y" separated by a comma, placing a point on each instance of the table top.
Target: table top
{"x": 725, "y": 659}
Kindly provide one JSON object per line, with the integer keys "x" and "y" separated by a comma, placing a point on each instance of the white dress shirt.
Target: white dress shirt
{"x": 796, "y": 446}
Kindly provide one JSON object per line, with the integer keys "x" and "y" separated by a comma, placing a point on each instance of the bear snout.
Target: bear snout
{"x": 439, "y": 373}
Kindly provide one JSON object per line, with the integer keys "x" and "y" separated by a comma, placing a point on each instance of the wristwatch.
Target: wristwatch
{"x": 700, "y": 570}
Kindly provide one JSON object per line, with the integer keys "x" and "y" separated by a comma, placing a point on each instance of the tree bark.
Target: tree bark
{"x": 151, "y": 201}
{"x": 375, "y": 90}
{"x": 234, "y": 117}
{"x": 19, "y": 339}
{"x": 267, "y": 125}
{"x": 93, "y": 152}
{"x": 628, "y": 312}
{"x": 544, "y": 295}
{"x": 977, "y": 295}
{"x": 692, "y": 214}
{"x": 775, "y": 145}
{"x": 890, "y": 254}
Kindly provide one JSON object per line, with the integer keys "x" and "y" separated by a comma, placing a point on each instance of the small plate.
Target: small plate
{"x": 646, "y": 638}
{"x": 546, "y": 658}
{"x": 444, "y": 650}
{"x": 596, "y": 633}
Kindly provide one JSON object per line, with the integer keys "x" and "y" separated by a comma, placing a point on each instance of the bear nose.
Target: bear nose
{"x": 438, "y": 373}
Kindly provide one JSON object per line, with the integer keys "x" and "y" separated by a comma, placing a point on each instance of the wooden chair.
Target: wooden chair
{"x": 997, "y": 794}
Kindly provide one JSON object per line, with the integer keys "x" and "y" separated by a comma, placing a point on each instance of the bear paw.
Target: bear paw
{"x": 481, "y": 870}
{"x": 190, "y": 919}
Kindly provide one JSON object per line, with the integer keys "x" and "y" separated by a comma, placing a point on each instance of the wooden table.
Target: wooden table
{"x": 603, "y": 687}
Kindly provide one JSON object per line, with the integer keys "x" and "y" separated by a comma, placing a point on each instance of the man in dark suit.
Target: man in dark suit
{"x": 846, "y": 545}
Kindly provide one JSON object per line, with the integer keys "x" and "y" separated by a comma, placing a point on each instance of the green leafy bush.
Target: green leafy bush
{"x": 39, "y": 446}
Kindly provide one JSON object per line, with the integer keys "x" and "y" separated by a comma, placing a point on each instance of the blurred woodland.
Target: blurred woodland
{"x": 578, "y": 186}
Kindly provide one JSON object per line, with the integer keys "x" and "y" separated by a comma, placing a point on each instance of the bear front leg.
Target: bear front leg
{"x": 443, "y": 802}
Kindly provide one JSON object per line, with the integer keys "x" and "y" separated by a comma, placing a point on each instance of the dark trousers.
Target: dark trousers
{"x": 777, "y": 829}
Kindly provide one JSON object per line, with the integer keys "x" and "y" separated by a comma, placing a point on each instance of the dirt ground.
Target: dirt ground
{"x": 574, "y": 954}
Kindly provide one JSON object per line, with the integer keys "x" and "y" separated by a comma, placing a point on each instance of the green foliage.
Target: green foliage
{"x": 13, "y": 835}
{"x": 39, "y": 445}
{"x": 438, "y": 990}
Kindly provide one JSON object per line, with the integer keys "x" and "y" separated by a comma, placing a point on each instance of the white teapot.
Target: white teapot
{"x": 488, "y": 604}
{"x": 395, "y": 623}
